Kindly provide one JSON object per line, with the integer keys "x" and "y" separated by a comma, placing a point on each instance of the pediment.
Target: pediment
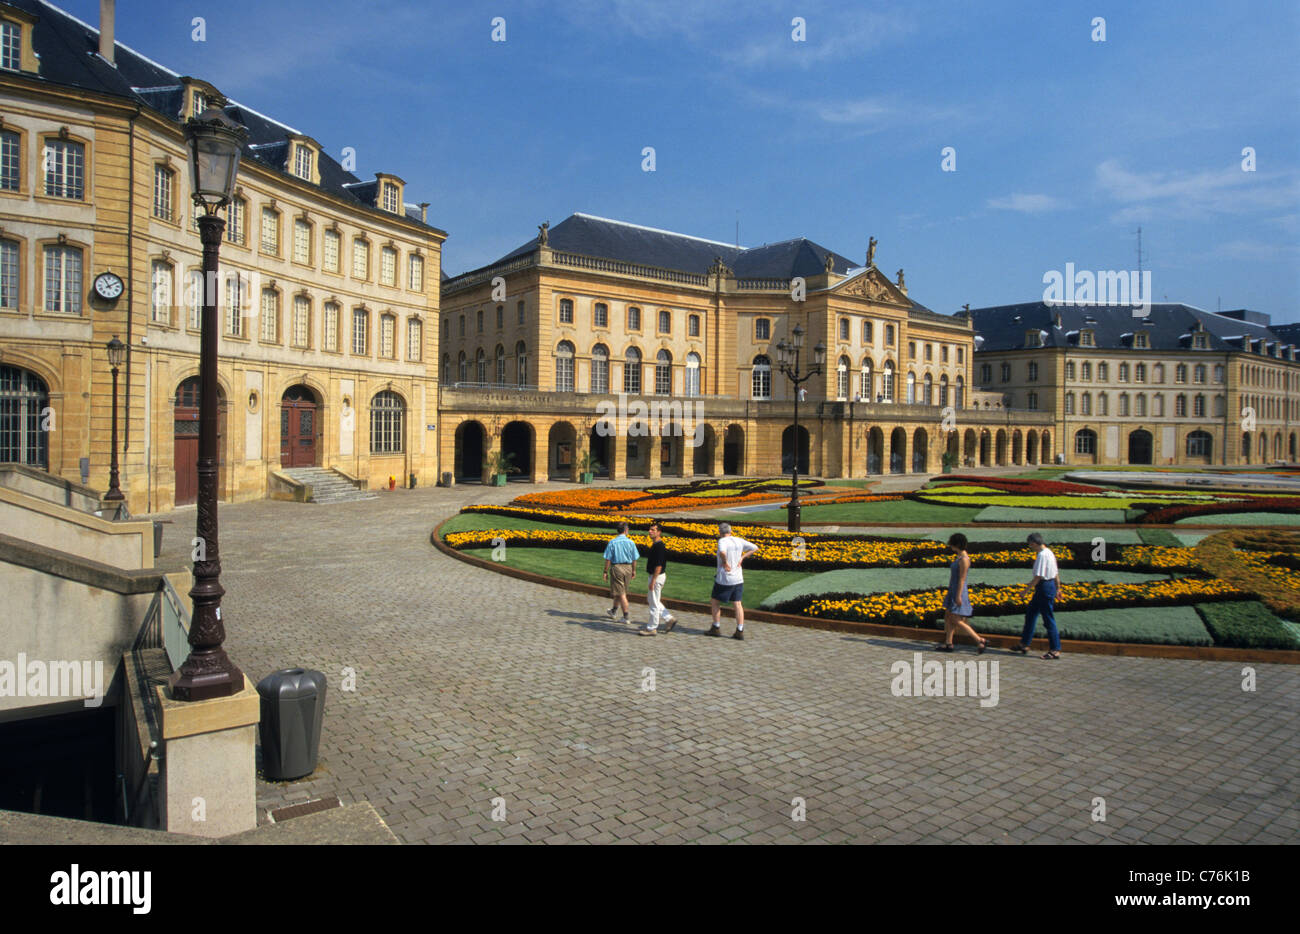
{"x": 872, "y": 285}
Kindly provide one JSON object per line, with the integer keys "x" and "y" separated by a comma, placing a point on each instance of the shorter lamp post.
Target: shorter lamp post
{"x": 116, "y": 354}
{"x": 214, "y": 142}
{"x": 787, "y": 356}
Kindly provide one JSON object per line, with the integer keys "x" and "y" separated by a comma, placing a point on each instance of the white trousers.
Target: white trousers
{"x": 657, "y": 608}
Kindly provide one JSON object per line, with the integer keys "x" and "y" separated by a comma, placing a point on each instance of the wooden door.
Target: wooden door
{"x": 186, "y": 448}
{"x": 297, "y": 434}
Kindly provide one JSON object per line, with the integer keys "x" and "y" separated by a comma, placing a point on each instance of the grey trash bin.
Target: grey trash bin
{"x": 293, "y": 707}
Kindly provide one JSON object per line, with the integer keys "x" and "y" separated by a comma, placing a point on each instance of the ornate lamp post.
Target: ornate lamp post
{"x": 116, "y": 354}
{"x": 787, "y": 356}
{"x": 214, "y": 142}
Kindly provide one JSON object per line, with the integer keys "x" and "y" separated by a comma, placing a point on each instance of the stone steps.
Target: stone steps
{"x": 327, "y": 486}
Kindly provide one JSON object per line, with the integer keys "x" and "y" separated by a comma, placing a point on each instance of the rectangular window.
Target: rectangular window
{"x": 387, "y": 329}
{"x": 600, "y": 315}
{"x": 634, "y": 320}
{"x": 462, "y": 326}
{"x": 889, "y": 335}
{"x": 8, "y": 274}
{"x": 1033, "y": 372}
{"x": 564, "y": 373}
{"x": 302, "y": 162}
{"x": 235, "y": 221}
{"x": 160, "y": 292}
{"x": 301, "y": 242}
{"x": 194, "y": 299}
{"x": 415, "y": 279}
{"x": 520, "y": 309}
{"x": 911, "y": 350}
{"x": 162, "y": 192}
{"x": 479, "y": 320}
{"x": 1033, "y": 400}
{"x": 235, "y": 306}
{"x": 762, "y": 329}
{"x": 663, "y": 379}
{"x": 388, "y": 266}
{"x": 501, "y": 317}
{"x": 360, "y": 331}
{"x": 566, "y": 311}
{"x": 65, "y": 169}
{"x": 11, "y": 46}
{"x": 929, "y": 351}
{"x": 693, "y": 326}
{"x": 331, "y": 326}
{"x": 391, "y": 203}
{"x": 866, "y": 332}
{"x": 270, "y": 231}
{"x": 63, "y": 279}
{"x": 961, "y": 354}
{"x": 986, "y": 373}
{"x": 270, "y": 316}
{"x": 1006, "y": 372}
{"x": 600, "y": 373}
{"x": 360, "y": 259}
{"x": 665, "y": 322}
{"x": 943, "y": 353}
{"x": 414, "y": 339}
{"x": 330, "y": 251}
{"x": 10, "y": 161}
{"x": 301, "y": 320}
{"x": 198, "y": 104}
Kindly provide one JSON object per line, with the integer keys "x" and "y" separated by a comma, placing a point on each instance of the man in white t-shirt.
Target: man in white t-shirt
{"x": 1043, "y": 588}
{"x": 729, "y": 582}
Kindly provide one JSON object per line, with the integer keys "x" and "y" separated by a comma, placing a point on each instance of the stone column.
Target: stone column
{"x": 541, "y": 454}
{"x": 655, "y": 452}
{"x": 617, "y": 446}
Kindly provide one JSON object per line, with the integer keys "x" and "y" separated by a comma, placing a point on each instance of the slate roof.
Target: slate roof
{"x": 69, "y": 56}
{"x": 1168, "y": 326}
{"x": 603, "y": 238}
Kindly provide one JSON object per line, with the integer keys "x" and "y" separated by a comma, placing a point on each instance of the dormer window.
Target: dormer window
{"x": 11, "y": 46}
{"x": 391, "y": 200}
{"x": 16, "y": 52}
{"x": 303, "y": 160}
{"x": 1199, "y": 341}
{"x": 1033, "y": 338}
{"x": 1140, "y": 341}
{"x": 1086, "y": 338}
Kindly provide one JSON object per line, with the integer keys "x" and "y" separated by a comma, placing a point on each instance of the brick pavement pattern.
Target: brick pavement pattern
{"x": 477, "y": 692}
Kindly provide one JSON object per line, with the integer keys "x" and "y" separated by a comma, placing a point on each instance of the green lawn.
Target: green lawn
{"x": 893, "y": 580}
{"x": 890, "y": 511}
{"x": 1163, "y": 625}
{"x": 1244, "y": 518}
{"x": 1028, "y": 515}
{"x": 475, "y": 521}
{"x": 685, "y": 581}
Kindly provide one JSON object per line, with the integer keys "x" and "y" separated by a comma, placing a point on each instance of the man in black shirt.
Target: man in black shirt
{"x": 656, "y": 565}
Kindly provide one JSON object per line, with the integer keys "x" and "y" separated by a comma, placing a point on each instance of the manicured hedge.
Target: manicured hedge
{"x": 1161, "y": 537}
{"x": 1246, "y": 625}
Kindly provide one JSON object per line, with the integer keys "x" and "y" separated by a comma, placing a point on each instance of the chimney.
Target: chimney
{"x": 107, "y": 14}
{"x": 424, "y": 212}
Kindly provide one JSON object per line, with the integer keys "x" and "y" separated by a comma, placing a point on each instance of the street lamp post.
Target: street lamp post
{"x": 787, "y": 356}
{"x": 116, "y": 354}
{"x": 214, "y": 142}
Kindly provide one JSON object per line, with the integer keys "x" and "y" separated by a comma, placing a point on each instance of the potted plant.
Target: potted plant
{"x": 499, "y": 464}
{"x": 587, "y": 467}
{"x": 949, "y": 461}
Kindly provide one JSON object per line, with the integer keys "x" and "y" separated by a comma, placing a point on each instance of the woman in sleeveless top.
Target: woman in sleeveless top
{"x": 956, "y": 604}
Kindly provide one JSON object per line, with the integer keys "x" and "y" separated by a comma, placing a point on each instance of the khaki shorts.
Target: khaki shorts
{"x": 619, "y": 575}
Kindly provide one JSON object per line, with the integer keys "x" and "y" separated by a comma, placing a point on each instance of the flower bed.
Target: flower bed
{"x": 711, "y": 492}
{"x": 1159, "y": 513}
{"x": 1279, "y": 587}
{"x": 1014, "y": 485}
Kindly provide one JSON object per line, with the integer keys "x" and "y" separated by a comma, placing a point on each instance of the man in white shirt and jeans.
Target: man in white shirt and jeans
{"x": 1044, "y": 588}
{"x": 729, "y": 582}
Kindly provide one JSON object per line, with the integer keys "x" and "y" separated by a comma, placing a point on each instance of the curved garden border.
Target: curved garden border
{"x": 1128, "y": 649}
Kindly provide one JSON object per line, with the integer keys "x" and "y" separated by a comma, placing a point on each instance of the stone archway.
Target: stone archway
{"x": 733, "y": 450}
{"x": 1001, "y": 451}
{"x": 517, "y": 439}
{"x": 788, "y": 449}
{"x": 970, "y": 447}
{"x": 1031, "y": 447}
{"x": 1141, "y": 446}
{"x": 986, "y": 448}
{"x": 1017, "y": 447}
{"x": 898, "y": 451}
{"x": 471, "y": 446}
{"x": 702, "y": 453}
{"x": 562, "y": 452}
{"x": 920, "y": 450}
{"x": 875, "y": 451}
{"x": 601, "y": 446}
{"x": 300, "y": 427}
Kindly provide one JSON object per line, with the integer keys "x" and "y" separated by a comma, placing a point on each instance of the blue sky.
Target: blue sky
{"x": 1064, "y": 145}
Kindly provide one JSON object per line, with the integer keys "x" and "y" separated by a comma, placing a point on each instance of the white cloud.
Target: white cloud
{"x": 1173, "y": 194}
{"x": 1026, "y": 203}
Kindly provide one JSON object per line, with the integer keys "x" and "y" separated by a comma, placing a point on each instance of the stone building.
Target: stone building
{"x": 328, "y": 291}
{"x": 1175, "y": 386}
{"x": 655, "y": 352}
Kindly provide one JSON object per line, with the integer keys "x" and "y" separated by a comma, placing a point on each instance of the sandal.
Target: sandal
{"x": 984, "y": 644}
{"x": 1052, "y": 655}
{"x": 1019, "y": 649}
{"x": 945, "y": 647}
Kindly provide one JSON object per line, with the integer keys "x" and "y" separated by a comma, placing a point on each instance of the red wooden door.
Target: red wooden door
{"x": 185, "y": 455}
{"x": 298, "y": 434}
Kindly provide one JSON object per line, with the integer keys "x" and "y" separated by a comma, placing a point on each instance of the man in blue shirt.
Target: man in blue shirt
{"x": 620, "y": 568}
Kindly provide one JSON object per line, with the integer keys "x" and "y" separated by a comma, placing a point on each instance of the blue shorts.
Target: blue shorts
{"x": 728, "y": 593}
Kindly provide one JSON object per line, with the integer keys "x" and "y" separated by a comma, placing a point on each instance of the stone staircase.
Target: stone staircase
{"x": 327, "y": 486}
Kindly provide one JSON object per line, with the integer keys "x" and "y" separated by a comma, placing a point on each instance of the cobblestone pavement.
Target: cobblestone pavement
{"x": 472, "y": 686}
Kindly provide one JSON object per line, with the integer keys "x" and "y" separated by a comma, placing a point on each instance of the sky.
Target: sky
{"x": 1062, "y": 145}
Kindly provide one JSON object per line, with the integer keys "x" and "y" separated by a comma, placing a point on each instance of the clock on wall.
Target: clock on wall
{"x": 108, "y": 286}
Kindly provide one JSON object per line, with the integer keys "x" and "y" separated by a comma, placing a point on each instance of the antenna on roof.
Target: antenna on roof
{"x": 1140, "y": 254}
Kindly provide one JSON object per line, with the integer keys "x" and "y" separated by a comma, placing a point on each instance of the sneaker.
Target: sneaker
{"x": 739, "y": 634}
{"x": 612, "y": 613}
{"x": 669, "y": 623}
{"x": 647, "y": 632}
{"x": 627, "y": 621}
{"x": 714, "y": 631}
{"x": 668, "y": 618}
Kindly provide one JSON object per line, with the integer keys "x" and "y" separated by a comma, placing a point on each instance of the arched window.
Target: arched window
{"x": 887, "y": 378}
{"x": 943, "y": 389}
{"x": 928, "y": 399}
{"x": 1198, "y": 406}
{"x": 1140, "y": 405}
{"x": 1180, "y": 405}
{"x": 1085, "y": 441}
{"x": 663, "y": 373}
{"x": 1123, "y": 404}
{"x": 1158, "y": 373}
{"x": 600, "y": 369}
{"x": 762, "y": 379}
{"x": 632, "y": 372}
{"x": 24, "y": 398}
{"x": 480, "y": 367}
{"x": 1158, "y": 406}
{"x": 501, "y": 365}
{"x": 564, "y": 367}
{"x": 521, "y": 364}
{"x": 911, "y": 387}
{"x": 692, "y": 374}
{"x": 1103, "y": 403}
{"x": 864, "y": 379}
{"x": 842, "y": 373}
{"x": 1199, "y": 444}
{"x": 1069, "y": 403}
{"x": 1140, "y": 373}
{"x": 959, "y": 397}
{"x": 1069, "y": 369}
{"x": 462, "y": 368}
{"x": 386, "y": 419}
{"x": 1085, "y": 404}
